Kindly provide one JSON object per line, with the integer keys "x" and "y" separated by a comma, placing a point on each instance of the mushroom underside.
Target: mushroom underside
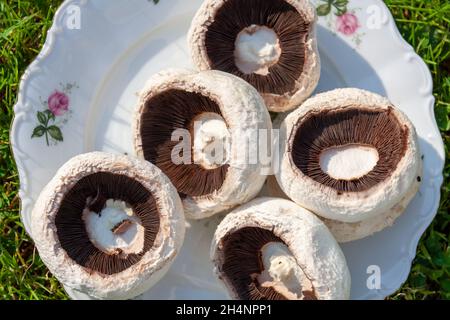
{"x": 377, "y": 129}
{"x": 289, "y": 25}
{"x": 243, "y": 264}
{"x": 90, "y": 194}
{"x": 165, "y": 113}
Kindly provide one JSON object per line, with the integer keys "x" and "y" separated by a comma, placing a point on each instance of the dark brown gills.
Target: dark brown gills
{"x": 377, "y": 128}
{"x": 164, "y": 113}
{"x": 71, "y": 228}
{"x": 278, "y": 15}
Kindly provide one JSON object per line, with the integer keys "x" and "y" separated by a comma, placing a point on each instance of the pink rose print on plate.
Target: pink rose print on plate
{"x": 58, "y": 103}
{"x": 54, "y": 116}
{"x": 347, "y": 23}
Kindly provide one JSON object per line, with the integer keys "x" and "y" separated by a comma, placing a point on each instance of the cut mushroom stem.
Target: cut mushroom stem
{"x": 211, "y": 141}
{"x": 115, "y": 228}
{"x": 349, "y": 162}
{"x": 257, "y": 49}
{"x": 282, "y": 273}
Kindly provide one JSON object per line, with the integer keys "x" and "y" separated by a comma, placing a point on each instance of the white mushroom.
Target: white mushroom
{"x": 349, "y": 155}
{"x": 108, "y": 225}
{"x": 270, "y": 44}
{"x": 273, "y": 249}
{"x": 199, "y": 129}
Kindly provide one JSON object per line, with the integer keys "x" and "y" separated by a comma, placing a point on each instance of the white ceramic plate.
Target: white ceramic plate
{"x": 99, "y": 53}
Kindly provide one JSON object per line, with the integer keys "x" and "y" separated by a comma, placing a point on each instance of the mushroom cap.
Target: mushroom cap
{"x": 154, "y": 263}
{"x": 349, "y": 206}
{"x": 308, "y": 239}
{"x": 245, "y": 114}
{"x": 348, "y": 231}
{"x": 304, "y": 85}
{"x": 351, "y": 231}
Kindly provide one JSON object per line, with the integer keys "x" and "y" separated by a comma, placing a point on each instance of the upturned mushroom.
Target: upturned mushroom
{"x": 270, "y": 44}
{"x": 273, "y": 249}
{"x": 108, "y": 226}
{"x": 199, "y": 129}
{"x": 350, "y": 155}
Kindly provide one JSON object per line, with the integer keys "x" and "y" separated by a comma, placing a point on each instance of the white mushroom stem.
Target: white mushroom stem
{"x": 349, "y": 162}
{"x": 211, "y": 140}
{"x": 257, "y": 49}
{"x": 101, "y": 228}
{"x": 282, "y": 273}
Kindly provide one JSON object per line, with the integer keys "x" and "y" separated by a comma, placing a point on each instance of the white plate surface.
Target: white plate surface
{"x": 98, "y": 55}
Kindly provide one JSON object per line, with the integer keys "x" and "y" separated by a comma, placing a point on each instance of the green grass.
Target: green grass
{"x": 23, "y": 26}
